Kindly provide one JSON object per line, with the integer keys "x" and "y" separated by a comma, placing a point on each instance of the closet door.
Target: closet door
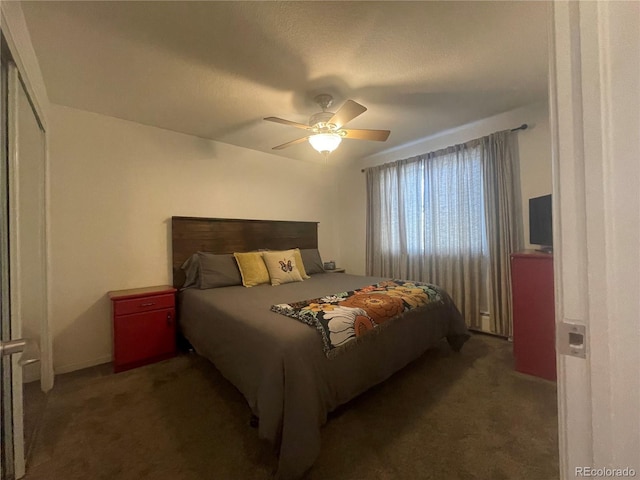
{"x": 24, "y": 267}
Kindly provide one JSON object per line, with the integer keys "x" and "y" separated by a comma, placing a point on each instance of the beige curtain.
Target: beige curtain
{"x": 433, "y": 218}
{"x": 503, "y": 215}
{"x": 425, "y": 223}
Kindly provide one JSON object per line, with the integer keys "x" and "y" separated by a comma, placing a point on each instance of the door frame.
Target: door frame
{"x": 594, "y": 106}
{"x": 7, "y": 464}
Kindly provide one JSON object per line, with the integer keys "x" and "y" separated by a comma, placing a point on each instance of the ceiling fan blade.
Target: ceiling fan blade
{"x": 347, "y": 112}
{"x": 288, "y": 122}
{"x": 292, "y": 142}
{"x": 377, "y": 135}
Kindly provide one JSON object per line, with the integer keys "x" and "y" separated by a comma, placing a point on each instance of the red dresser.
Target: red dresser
{"x": 533, "y": 314}
{"x": 144, "y": 329}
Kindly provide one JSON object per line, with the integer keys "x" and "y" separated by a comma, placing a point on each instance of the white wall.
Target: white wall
{"x": 114, "y": 187}
{"x": 535, "y": 172}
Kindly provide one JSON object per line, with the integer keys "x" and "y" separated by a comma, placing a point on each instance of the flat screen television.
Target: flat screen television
{"x": 540, "y": 222}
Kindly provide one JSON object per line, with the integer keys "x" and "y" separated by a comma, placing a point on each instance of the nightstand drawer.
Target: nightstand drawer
{"x": 144, "y": 336}
{"x": 143, "y": 304}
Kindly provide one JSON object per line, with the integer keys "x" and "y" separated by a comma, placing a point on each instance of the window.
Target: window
{"x": 433, "y": 205}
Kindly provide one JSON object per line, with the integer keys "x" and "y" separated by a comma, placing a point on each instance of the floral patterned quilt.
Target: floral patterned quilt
{"x": 346, "y": 316}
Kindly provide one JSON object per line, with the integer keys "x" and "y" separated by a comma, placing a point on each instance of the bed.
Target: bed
{"x": 278, "y": 363}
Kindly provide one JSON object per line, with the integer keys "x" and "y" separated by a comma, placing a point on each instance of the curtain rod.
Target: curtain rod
{"x": 524, "y": 126}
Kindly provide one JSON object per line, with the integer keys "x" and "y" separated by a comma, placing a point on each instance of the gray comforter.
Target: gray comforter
{"x": 279, "y": 365}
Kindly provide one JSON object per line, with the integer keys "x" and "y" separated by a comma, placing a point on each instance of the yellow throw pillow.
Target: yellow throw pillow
{"x": 282, "y": 267}
{"x": 299, "y": 263}
{"x": 252, "y": 268}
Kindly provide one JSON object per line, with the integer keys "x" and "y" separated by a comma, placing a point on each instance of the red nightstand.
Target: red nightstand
{"x": 144, "y": 327}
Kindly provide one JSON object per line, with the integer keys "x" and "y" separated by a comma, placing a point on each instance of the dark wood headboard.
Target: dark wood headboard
{"x": 227, "y": 235}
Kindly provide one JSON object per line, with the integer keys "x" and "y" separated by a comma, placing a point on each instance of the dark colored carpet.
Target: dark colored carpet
{"x": 448, "y": 415}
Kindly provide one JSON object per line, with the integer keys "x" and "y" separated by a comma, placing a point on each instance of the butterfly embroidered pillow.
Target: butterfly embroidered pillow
{"x": 282, "y": 267}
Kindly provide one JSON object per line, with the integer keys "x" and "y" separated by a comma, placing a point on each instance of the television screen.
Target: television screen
{"x": 540, "y": 223}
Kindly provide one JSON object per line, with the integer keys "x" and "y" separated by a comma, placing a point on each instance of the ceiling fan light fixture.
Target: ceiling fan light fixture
{"x": 325, "y": 142}
{"x": 325, "y": 130}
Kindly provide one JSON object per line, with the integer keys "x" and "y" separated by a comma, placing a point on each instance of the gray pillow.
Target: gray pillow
{"x": 191, "y": 269}
{"x": 218, "y": 270}
{"x": 311, "y": 260}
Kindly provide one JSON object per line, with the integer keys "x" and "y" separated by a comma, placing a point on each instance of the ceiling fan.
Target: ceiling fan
{"x": 325, "y": 128}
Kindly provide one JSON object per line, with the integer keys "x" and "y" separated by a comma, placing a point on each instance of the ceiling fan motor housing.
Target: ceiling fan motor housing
{"x": 324, "y": 100}
{"x": 320, "y": 121}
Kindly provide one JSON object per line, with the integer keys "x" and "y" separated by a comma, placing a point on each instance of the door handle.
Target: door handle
{"x": 21, "y": 345}
{"x": 12, "y": 346}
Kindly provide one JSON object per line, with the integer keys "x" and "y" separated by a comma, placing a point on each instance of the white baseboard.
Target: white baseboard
{"x": 72, "y": 367}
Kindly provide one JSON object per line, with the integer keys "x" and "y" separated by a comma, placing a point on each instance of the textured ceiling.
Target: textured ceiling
{"x": 215, "y": 69}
